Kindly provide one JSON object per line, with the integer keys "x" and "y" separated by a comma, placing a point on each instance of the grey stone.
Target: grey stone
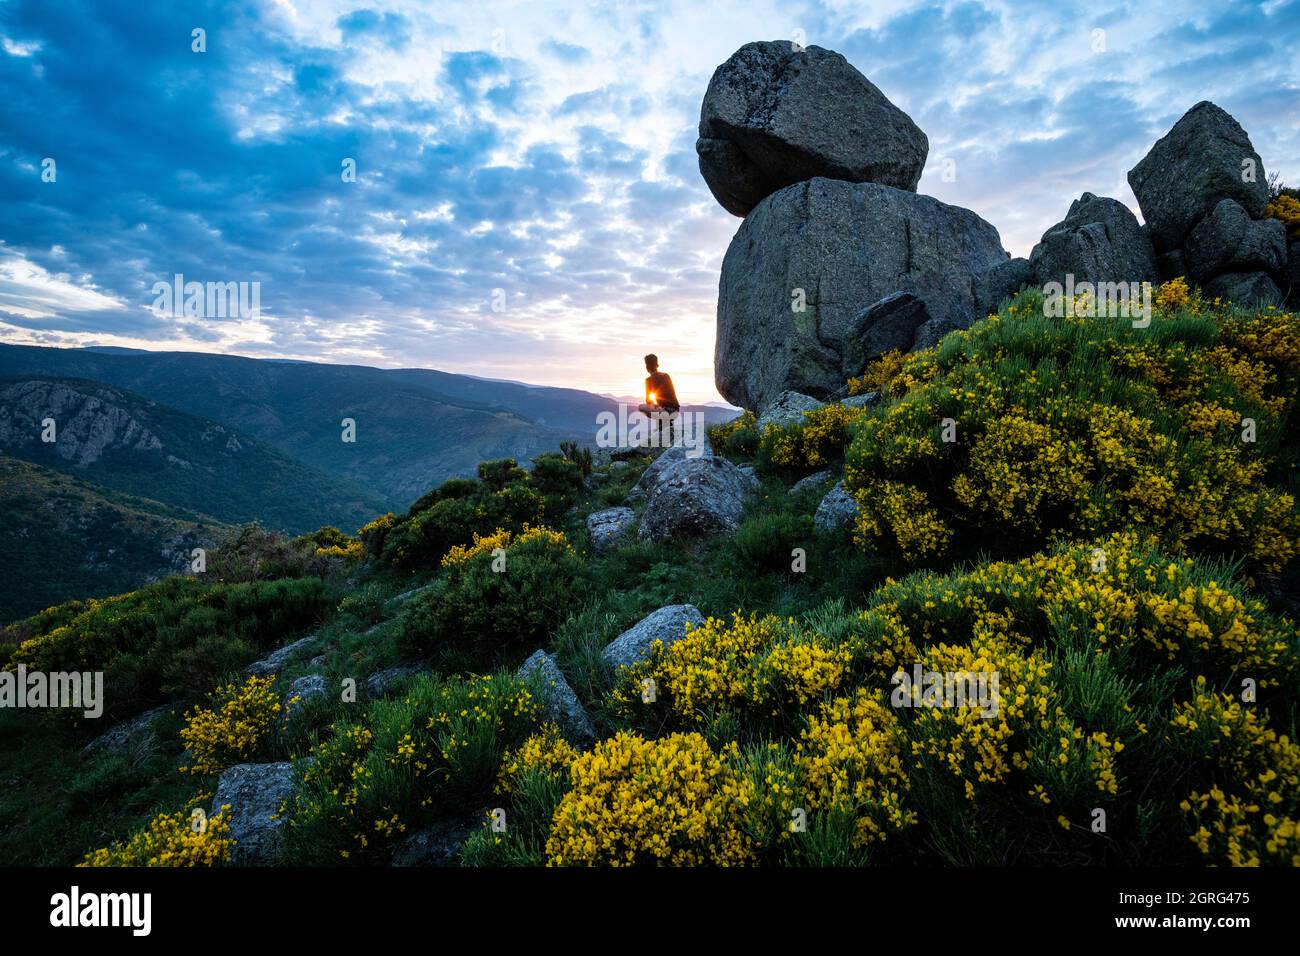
{"x": 128, "y": 733}
{"x": 1228, "y": 240}
{"x": 842, "y": 244}
{"x": 393, "y": 604}
{"x": 256, "y": 793}
{"x": 436, "y": 845}
{"x": 1199, "y": 162}
{"x": 786, "y": 409}
{"x": 837, "y": 510}
{"x": 278, "y": 659}
{"x": 888, "y": 325}
{"x": 1244, "y": 289}
{"x": 995, "y": 285}
{"x": 561, "y": 704}
{"x": 668, "y": 624}
{"x": 605, "y": 529}
{"x": 1098, "y": 241}
{"x": 697, "y": 498}
{"x": 304, "y": 688}
{"x": 810, "y": 481}
{"x": 1171, "y": 265}
{"x": 669, "y": 459}
{"x": 775, "y": 115}
{"x": 382, "y": 682}
{"x": 864, "y": 400}
{"x": 931, "y": 334}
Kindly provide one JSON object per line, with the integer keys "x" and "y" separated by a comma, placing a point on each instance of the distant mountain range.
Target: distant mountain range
{"x": 414, "y": 427}
{"x": 155, "y": 450}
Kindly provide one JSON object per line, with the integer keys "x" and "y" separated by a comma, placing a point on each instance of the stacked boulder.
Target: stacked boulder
{"x": 1203, "y": 191}
{"x": 824, "y": 169}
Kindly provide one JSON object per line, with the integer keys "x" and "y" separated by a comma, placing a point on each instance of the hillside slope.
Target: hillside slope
{"x": 135, "y": 445}
{"x": 63, "y": 538}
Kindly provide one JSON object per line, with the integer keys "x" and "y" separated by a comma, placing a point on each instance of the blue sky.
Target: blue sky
{"x": 537, "y": 156}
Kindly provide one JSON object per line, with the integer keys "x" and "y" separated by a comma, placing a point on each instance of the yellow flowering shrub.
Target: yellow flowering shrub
{"x": 375, "y": 780}
{"x": 171, "y": 839}
{"x": 1247, "y": 812}
{"x": 634, "y": 801}
{"x": 721, "y": 437}
{"x": 233, "y": 728}
{"x": 763, "y": 664}
{"x": 486, "y": 544}
{"x": 1286, "y": 209}
{"x": 545, "y": 752}
{"x": 1024, "y": 431}
{"x": 852, "y": 758}
{"x": 813, "y": 442}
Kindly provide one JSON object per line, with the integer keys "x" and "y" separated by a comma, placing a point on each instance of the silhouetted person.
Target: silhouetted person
{"x": 660, "y": 398}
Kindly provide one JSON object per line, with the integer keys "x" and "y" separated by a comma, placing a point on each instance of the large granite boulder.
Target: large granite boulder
{"x": 697, "y": 498}
{"x": 776, "y": 114}
{"x": 1205, "y": 158}
{"x": 1228, "y": 240}
{"x": 560, "y": 703}
{"x": 1099, "y": 240}
{"x": 255, "y": 793}
{"x": 668, "y": 624}
{"x": 836, "y": 248}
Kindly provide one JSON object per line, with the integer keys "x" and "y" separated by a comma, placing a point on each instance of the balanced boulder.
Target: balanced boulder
{"x": 809, "y": 259}
{"x": 776, "y": 114}
{"x": 1205, "y": 158}
{"x": 1098, "y": 241}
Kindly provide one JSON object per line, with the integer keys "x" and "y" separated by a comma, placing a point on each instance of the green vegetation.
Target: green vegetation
{"x": 1098, "y": 537}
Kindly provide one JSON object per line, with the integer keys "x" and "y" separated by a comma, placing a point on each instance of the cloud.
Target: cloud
{"x": 542, "y": 150}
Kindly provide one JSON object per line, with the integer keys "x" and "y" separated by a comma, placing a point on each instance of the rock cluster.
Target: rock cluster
{"x": 1203, "y": 191}
{"x": 824, "y": 169}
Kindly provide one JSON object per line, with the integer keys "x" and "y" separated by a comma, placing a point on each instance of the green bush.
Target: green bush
{"x": 766, "y": 542}
{"x": 176, "y": 638}
{"x": 497, "y": 614}
{"x": 434, "y": 752}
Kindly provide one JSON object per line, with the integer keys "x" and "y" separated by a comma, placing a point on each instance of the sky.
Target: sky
{"x": 526, "y": 202}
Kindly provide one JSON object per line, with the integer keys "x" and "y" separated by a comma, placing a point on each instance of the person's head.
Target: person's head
{"x": 651, "y": 363}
